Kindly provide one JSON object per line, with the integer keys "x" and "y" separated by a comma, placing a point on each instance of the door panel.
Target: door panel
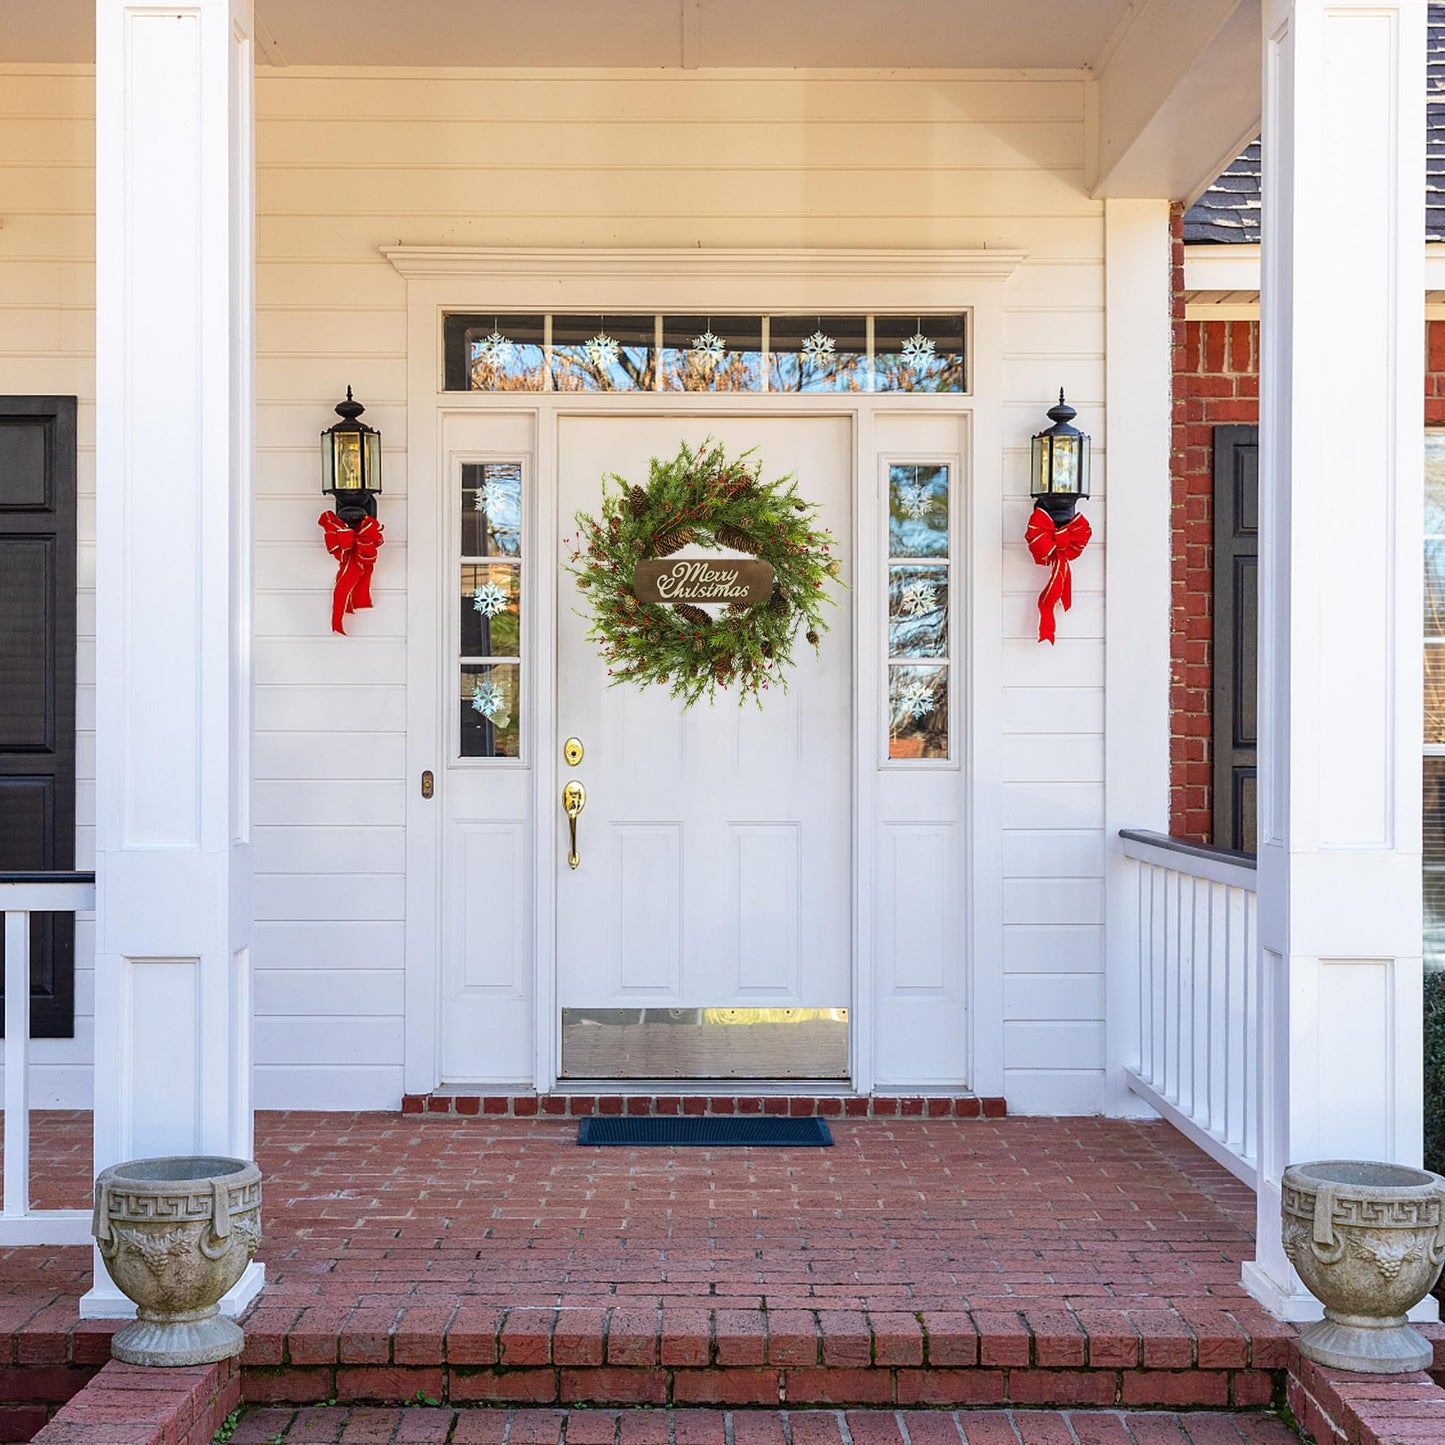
{"x": 715, "y": 844}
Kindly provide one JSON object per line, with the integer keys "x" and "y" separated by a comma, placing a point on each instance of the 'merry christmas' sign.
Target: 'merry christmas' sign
{"x": 702, "y": 579}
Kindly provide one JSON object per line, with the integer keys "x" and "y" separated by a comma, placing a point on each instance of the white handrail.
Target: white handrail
{"x": 1198, "y": 1036}
{"x": 22, "y": 895}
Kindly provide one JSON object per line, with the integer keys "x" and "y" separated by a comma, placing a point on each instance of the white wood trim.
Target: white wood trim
{"x": 48, "y": 1227}
{"x": 17, "y": 1064}
{"x": 776, "y": 280}
{"x": 981, "y": 552}
{"x": 1138, "y": 586}
{"x": 1232, "y": 266}
{"x": 867, "y": 685}
{"x": 1197, "y": 865}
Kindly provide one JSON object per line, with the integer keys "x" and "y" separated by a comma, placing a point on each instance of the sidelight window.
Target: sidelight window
{"x": 490, "y": 607}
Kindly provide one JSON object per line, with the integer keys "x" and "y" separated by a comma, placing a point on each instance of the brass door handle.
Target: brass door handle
{"x": 574, "y": 799}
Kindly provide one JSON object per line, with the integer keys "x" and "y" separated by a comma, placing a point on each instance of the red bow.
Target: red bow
{"x": 1052, "y": 545}
{"x": 355, "y": 550}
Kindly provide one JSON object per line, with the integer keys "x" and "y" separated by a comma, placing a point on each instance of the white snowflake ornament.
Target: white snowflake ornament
{"x": 603, "y": 349}
{"x": 819, "y": 347}
{"x": 918, "y": 599}
{"x": 918, "y": 351}
{"x": 490, "y": 599}
{"x": 916, "y": 699}
{"x": 916, "y": 501}
{"x": 496, "y": 347}
{"x": 709, "y": 347}
{"x": 489, "y": 698}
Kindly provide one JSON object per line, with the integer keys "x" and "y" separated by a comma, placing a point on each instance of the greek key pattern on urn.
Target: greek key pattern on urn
{"x": 196, "y": 1205}
{"x": 1372, "y": 1213}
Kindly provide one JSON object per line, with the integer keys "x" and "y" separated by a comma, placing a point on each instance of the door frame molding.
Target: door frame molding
{"x": 444, "y": 279}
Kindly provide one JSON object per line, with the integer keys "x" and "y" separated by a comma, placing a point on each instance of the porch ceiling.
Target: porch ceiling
{"x": 987, "y": 34}
{"x": 1178, "y": 80}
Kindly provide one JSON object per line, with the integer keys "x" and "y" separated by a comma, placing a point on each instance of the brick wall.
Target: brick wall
{"x": 1216, "y": 380}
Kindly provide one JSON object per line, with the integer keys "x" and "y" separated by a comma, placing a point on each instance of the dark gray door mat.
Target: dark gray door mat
{"x": 703, "y": 1131}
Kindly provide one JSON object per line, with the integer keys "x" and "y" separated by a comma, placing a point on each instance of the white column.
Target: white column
{"x": 174, "y": 363}
{"x": 1136, "y": 501}
{"x": 1340, "y": 598}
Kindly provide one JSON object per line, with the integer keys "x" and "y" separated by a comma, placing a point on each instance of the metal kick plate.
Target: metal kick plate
{"x": 705, "y": 1043}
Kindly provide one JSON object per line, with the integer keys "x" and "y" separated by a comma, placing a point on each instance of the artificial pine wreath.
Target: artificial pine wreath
{"x": 703, "y": 497}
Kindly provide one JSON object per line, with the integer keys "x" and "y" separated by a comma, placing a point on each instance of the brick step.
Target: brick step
{"x": 636, "y": 1356}
{"x": 797, "y": 1106}
{"x": 430, "y": 1425}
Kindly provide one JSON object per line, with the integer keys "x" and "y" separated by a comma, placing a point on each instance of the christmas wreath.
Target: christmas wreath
{"x": 703, "y": 497}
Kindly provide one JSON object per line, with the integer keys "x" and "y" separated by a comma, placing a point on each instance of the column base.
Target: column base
{"x": 103, "y": 1301}
{"x": 1299, "y": 1306}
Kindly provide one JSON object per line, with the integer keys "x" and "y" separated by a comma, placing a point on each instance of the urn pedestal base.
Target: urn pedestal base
{"x": 1367, "y": 1346}
{"x": 198, "y": 1338}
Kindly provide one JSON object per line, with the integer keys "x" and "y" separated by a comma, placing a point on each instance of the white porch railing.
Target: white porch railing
{"x": 21, "y": 896}
{"x": 1198, "y": 997}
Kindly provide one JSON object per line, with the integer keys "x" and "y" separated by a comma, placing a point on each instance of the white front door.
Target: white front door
{"x": 707, "y": 929}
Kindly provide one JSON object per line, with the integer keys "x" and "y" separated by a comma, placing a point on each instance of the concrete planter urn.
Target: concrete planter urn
{"x": 1368, "y": 1240}
{"x": 175, "y": 1235}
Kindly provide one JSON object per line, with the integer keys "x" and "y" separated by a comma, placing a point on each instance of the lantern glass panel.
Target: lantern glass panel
{"x": 1040, "y": 485}
{"x": 371, "y": 473}
{"x": 1066, "y": 466}
{"x": 346, "y": 461}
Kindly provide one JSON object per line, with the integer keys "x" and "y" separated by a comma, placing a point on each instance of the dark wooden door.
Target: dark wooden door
{"x": 1236, "y": 634}
{"x": 37, "y": 679}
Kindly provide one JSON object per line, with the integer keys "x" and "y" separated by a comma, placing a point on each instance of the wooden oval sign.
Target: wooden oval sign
{"x": 702, "y": 579}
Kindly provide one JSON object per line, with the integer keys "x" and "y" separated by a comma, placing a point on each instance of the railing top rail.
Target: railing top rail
{"x": 47, "y": 892}
{"x": 46, "y": 877}
{"x": 1201, "y": 860}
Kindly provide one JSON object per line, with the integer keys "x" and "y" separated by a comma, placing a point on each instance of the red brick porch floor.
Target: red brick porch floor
{"x": 919, "y": 1263}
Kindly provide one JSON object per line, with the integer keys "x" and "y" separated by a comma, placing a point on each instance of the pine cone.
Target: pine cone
{"x": 673, "y": 541}
{"x": 637, "y": 500}
{"x": 778, "y": 603}
{"x": 737, "y": 608}
{"x": 692, "y": 614}
{"x": 735, "y": 538}
{"x": 812, "y": 637}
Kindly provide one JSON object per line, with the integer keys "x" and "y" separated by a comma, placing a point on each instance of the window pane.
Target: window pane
{"x": 918, "y": 712}
{"x": 918, "y": 353}
{"x": 1434, "y": 839}
{"x": 1435, "y": 534}
{"x": 491, "y": 605}
{"x": 490, "y": 707}
{"x": 505, "y": 353}
{"x": 917, "y": 511}
{"x": 492, "y": 509}
{"x": 917, "y": 611}
{"x": 603, "y": 353}
{"x": 818, "y": 353}
{"x": 707, "y": 353}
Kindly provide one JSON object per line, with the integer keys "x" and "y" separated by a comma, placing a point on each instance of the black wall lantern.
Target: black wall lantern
{"x": 351, "y": 462}
{"x": 1060, "y": 464}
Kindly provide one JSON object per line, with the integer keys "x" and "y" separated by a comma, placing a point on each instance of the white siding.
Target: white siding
{"x": 350, "y": 161}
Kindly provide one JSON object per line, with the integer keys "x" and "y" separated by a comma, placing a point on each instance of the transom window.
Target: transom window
{"x": 795, "y": 353}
